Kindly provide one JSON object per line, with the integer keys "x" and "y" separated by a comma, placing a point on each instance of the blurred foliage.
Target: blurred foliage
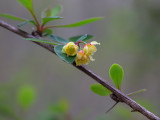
{"x": 26, "y": 96}
{"x": 145, "y": 103}
{"x": 57, "y": 111}
{"x": 61, "y": 110}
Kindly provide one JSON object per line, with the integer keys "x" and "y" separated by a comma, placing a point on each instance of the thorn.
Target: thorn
{"x": 139, "y": 91}
{"x": 111, "y": 107}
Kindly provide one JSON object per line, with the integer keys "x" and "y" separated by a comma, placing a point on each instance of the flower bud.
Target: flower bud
{"x": 70, "y": 49}
{"x": 82, "y": 58}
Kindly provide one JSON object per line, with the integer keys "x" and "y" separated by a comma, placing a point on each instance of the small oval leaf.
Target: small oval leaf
{"x": 100, "y": 90}
{"x": 82, "y": 38}
{"x": 63, "y": 56}
{"x": 116, "y": 74}
{"x": 75, "y": 38}
{"x": 58, "y": 39}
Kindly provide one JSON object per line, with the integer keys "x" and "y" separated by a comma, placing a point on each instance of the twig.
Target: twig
{"x": 119, "y": 95}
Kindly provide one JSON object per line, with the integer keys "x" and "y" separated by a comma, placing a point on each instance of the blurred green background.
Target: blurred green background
{"x": 129, "y": 35}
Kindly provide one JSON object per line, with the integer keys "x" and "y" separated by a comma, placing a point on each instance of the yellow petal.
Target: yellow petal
{"x": 82, "y": 58}
{"x": 91, "y": 58}
{"x": 70, "y": 49}
{"x": 95, "y": 43}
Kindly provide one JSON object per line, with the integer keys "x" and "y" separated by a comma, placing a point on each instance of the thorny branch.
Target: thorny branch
{"x": 117, "y": 95}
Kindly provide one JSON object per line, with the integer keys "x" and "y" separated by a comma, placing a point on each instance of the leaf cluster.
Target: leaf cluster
{"x": 116, "y": 74}
{"x": 47, "y": 15}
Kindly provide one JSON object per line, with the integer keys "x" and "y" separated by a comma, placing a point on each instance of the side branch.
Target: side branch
{"x": 118, "y": 95}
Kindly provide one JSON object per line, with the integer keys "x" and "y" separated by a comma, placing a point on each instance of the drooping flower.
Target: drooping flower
{"x": 70, "y": 49}
{"x": 82, "y": 58}
{"x": 90, "y": 49}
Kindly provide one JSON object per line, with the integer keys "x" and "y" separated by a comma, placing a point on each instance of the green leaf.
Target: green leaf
{"x": 61, "y": 107}
{"x": 8, "y": 111}
{"x": 100, "y": 90}
{"x": 49, "y": 19}
{"x": 41, "y": 41}
{"x": 116, "y": 74}
{"x": 25, "y": 22}
{"x": 51, "y": 11}
{"x": 27, "y": 4}
{"x": 12, "y": 17}
{"x": 75, "y": 38}
{"x": 56, "y": 10}
{"x": 26, "y": 96}
{"x": 82, "y": 38}
{"x": 50, "y": 14}
{"x": 81, "y": 23}
{"x": 58, "y": 39}
{"x": 47, "y": 32}
{"x": 63, "y": 56}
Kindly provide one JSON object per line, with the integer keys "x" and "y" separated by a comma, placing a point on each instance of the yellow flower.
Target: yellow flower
{"x": 90, "y": 49}
{"x": 70, "y": 49}
{"x": 82, "y": 58}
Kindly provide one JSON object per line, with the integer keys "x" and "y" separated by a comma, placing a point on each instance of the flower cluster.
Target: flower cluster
{"x": 84, "y": 55}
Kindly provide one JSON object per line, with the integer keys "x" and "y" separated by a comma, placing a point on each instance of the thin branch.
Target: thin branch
{"x": 118, "y": 95}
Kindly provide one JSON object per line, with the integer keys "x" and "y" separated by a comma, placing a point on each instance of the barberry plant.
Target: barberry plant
{"x": 67, "y": 50}
{"x": 75, "y": 49}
